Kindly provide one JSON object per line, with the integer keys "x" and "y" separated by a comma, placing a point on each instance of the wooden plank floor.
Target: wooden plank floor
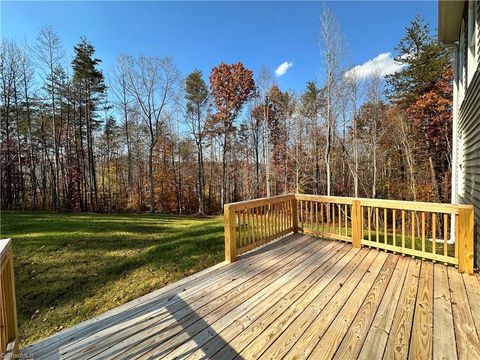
{"x": 299, "y": 297}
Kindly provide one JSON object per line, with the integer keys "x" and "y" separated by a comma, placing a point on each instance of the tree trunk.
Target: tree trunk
{"x": 55, "y": 140}
{"x": 150, "y": 179}
{"x": 224, "y": 169}
{"x": 33, "y": 177}
{"x": 267, "y": 149}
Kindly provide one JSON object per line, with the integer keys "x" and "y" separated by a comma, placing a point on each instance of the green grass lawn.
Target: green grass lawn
{"x": 70, "y": 267}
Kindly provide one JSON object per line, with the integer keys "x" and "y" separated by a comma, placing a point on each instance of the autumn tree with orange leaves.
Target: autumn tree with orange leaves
{"x": 431, "y": 114}
{"x": 231, "y": 86}
{"x": 423, "y": 91}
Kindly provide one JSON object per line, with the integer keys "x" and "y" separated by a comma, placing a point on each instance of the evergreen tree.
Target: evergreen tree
{"x": 196, "y": 94}
{"x": 423, "y": 61}
{"x": 90, "y": 85}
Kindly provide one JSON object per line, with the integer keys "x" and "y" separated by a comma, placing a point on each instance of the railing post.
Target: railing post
{"x": 230, "y": 242}
{"x": 8, "y": 323}
{"x": 295, "y": 214}
{"x": 357, "y": 224}
{"x": 464, "y": 229}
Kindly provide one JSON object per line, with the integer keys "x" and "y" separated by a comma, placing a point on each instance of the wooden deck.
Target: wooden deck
{"x": 299, "y": 297}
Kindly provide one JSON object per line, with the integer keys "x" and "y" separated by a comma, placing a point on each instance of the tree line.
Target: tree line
{"x": 144, "y": 137}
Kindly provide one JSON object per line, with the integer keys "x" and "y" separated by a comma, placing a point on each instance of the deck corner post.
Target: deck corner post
{"x": 295, "y": 214}
{"x": 8, "y": 322}
{"x": 230, "y": 242}
{"x": 356, "y": 224}
{"x": 464, "y": 229}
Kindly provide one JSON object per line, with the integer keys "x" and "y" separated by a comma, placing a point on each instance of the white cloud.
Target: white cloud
{"x": 282, "y": 68}
{"x": 382, "y": 64}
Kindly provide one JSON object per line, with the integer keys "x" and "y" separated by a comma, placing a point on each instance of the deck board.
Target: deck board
{"x": 182, "y": 312}
{"x": 298, "y": 297}
{"x": 421, "y": 343}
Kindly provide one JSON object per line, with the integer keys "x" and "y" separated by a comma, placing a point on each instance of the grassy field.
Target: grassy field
{"x": 70, "y": 267}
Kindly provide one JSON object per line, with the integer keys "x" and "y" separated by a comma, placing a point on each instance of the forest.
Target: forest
{"x": 142, "y": 137}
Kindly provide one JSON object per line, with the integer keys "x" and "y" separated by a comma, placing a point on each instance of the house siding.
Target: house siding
{"x": 468, "y": 158}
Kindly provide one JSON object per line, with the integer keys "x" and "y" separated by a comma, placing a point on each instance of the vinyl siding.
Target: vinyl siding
{"x": 468, "y": 156}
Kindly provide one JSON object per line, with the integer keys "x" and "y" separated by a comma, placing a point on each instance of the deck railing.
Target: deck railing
{"x": 8, "y": 310}
{"x": 249, "y": 224}
{"x": 439, "y": 232}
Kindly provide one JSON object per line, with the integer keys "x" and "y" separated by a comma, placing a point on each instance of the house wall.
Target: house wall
{"x": 468, "y": 155}
{"x": 466, "y": 130}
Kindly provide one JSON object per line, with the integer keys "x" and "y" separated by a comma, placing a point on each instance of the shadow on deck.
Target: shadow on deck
{"x": 296, "y": 297}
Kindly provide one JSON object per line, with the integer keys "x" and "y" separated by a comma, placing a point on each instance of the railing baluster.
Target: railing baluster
{"x": 286, "y": 215}
{"x": 369, "y": 223}
{"x": 245, "y": 227}
{"x": 403, "y": 229}
{"x": 346, "y": 220}
{"x": 362, "y": 220}
{"x": 295, "y": 215}
{"x": 332, "y": 225}
{"x": 394, "y": 226}
{"x": 272, "y": 219}
{"x": 339, "y": 219}
{"x": 423, "y": 231}
{"x": 377, "y": 234}
{"x": 249, "y": 226}
{"x": 237, "y": 225}
{"x": 445, "y": 235}
{"x": 311, "y": 214}
{"x": 385, "y": 230}
{"x": 434, "y": 233}
{"x": 322, "y": 217}
{"x": 280, "y": 215}
{"x": 244, "y": 236}
{"x": 262, "y": 221}
{"x": 255, "y": 224}
{"x": 412, "y": 214}
{"x": 301, "y": 214}
{"x": 275, "y": 216}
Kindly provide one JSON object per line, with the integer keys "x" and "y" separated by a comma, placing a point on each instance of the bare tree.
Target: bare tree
{"x": 405, "y": 139}
{"x": 374, "y": 97}
{"x": 152, "y": 82}
{"x": 255, "y": 128}
{"x": 351, "y": 95}
{"x": 27, "y": 75}
{"x": 331, "y": 46}
{"x": 50, "y": 52}
{"x": 265, "y": 82}
{"x": 123, "y": 100}
{"x": 8, "y": 76}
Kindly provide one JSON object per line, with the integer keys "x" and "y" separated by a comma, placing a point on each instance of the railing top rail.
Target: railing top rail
{"x": 335, "y": 199}
{"x": 5, "y": 245}
{"x": 384, "y": 203}
{"x": 391, "y": 204}
{"x": 259, "y": 202}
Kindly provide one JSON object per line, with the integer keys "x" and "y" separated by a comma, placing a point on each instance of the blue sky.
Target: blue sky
{"x": 203, "y": 34}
